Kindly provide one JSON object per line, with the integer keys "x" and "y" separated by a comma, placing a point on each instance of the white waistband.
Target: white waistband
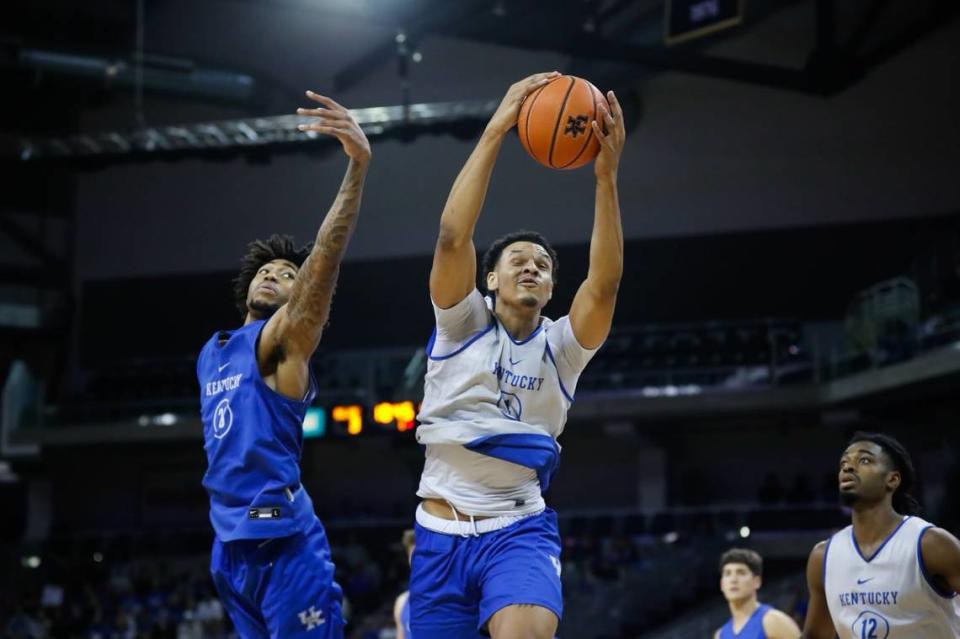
{"x": 467, "y": 527}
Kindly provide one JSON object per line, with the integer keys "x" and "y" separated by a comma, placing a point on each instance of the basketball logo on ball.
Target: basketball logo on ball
{"x": 555, "y": 122}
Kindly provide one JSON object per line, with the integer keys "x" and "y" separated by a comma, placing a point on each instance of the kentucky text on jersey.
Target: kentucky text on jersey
{"x": 225, "y": 384}
{"x": 527, "y": 382}
{"x": 879, "y": 598}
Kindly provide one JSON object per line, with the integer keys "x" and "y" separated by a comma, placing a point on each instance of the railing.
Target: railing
{"x": 652, "y": 360}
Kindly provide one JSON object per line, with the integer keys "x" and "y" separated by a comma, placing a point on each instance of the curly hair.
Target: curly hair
{"x": 492, "y": 256}
{"x": 260, "y": 252}
{"x": 900, "y": 460}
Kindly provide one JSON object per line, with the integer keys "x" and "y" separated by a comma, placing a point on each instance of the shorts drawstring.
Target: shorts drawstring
{"x": 473, "y": 522}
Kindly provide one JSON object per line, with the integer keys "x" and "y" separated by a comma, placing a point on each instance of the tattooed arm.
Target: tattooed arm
{"x": 292, "y": 334}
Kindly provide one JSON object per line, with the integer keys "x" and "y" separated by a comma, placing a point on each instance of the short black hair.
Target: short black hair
{"x": 903, "y": 501}
{"x": 493, "y": 253}
{"x": 750, "y": 558}
{"x": 260, "y": 252}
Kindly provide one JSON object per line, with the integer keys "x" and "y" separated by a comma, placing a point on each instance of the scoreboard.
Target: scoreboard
{"x": 351, "y": 420}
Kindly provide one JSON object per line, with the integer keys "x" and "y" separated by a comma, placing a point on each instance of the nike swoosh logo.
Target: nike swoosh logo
{"x": 220, "y": 368}
{"x": 514, "y": 363}
{"x": 860, "y": 582}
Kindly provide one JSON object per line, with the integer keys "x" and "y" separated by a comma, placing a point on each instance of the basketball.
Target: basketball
{"x": 555, "y": 122}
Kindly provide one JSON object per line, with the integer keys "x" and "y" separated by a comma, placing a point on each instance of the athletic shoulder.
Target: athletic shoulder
{"x": 819, "y": 549}
{"x": 815, "y": 564}
{"x": 936, "y": 538}
{"x": 779, "y": 625}
{"x": 939, "y": 549}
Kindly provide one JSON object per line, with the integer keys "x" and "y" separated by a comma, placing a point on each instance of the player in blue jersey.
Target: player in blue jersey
{"x": 271, "y": 560}
{"x": 741, "y": 572}
{"x": 500, "y": 379}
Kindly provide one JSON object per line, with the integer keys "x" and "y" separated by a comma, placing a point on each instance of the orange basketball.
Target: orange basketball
{"x": 555, "y": 122}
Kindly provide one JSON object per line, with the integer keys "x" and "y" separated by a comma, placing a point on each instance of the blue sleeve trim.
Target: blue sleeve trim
{"x": 923, "y": 568}
{"x": 563, "y": 388}
{"x": 476, "y": 336}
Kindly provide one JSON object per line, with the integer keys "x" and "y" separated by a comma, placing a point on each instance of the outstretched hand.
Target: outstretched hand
{"x": 611, "y": 142}
{"x": 505, "y": 117}
{"x": 334, "y": 119}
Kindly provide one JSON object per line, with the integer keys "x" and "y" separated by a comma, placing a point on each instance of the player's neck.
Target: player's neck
{"x": 519, "y": 322}
{"x": 743, "y": 609}
{"x": 874, "y": 522}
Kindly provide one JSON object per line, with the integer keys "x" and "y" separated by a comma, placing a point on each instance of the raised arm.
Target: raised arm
{"x": 592, "y": 311}
{"x": 293, "y": 333}
{"x": 818, "y": 624}
{"x": 454, "y": 271}
{"x": 941, "y": 558}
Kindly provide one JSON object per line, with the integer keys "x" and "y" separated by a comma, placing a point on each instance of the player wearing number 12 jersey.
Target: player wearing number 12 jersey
{"x": 889, "y": 575}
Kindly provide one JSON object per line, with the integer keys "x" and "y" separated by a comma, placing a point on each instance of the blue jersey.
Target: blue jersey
{"x": 253, "y": 437}
{"x": 753, "y": 629}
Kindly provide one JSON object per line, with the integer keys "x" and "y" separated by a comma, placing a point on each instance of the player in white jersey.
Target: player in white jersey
{"x": 499, "y": 382}
{"x": 890, "y": 575}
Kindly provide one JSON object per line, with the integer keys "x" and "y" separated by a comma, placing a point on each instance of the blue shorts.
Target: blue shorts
{"x": 458, "y": 583}
{"x": 280, "y": 587}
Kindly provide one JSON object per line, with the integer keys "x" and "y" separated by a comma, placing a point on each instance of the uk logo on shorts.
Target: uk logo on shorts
{"x": 222, "y": 419}
{"x": 311, "y": 618}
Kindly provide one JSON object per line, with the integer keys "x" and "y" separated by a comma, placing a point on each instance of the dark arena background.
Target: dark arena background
{"x": 790, "y": 194}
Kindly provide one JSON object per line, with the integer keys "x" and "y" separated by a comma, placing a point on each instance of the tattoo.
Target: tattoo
{"x": 309, "y": 305}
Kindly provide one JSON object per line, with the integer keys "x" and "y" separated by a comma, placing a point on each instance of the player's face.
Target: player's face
{"x": 271, "y": 286}
{"x": 523, "y": 276}
{"x": 737, "y": 582}
{"x": 865, "y": 474}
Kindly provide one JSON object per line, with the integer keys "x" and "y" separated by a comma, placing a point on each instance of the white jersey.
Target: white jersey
{"x": 888, "y": 595}
{"x": 493, "y": 408}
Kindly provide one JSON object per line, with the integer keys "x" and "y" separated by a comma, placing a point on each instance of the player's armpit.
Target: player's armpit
{"x": 287, "y": 374}
{"x": 941, "y": 558}
{"x": 818, "y": 624}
